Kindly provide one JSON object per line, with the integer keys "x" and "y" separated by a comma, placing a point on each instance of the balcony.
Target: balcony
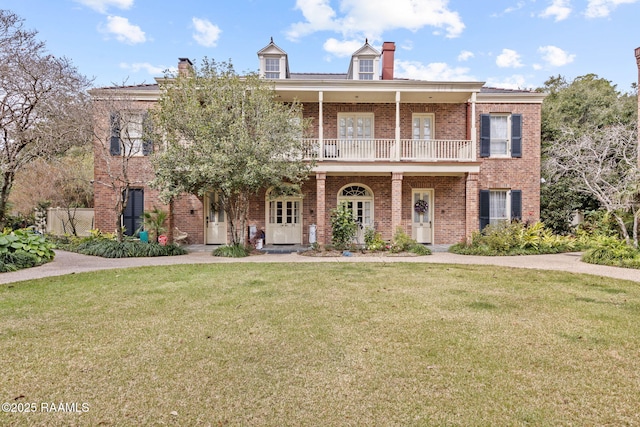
{"x": 389, "y": 150}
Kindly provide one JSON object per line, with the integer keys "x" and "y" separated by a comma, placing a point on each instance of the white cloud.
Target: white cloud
{"x": 436, "y": 71}
{"x": 144, "y": 66}
{"x": 602, "y": 8}
{"x": 406, "y": 45}
{"x": 207, "y": 34}
{"x": 510, "y": 9}
{"x": 508, "y": 59}
{"x": 516, "y": 81}
{"x": 559, "y": 9}
{"x": 555, "y": 56}
{"x": 465, "y": 55}
{"x": 123, "y": 30}
{"x": 371, "y": 18}
{"x": 102, "y": 5}
{"x": 341, "y": 48}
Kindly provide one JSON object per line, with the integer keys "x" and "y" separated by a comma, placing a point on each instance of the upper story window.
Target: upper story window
{"x": 366, "y": 69}
{"x": 128, "y": 133}
{"x": 500, "y": 135}
{"x": 355, "y": 125}
{"x": 422, "y": 126}
{"x": 272, "y": 68}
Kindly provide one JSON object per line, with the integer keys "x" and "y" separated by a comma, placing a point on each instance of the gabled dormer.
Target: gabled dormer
{"x": 274, "y": 63}
{"x": 365, "y": 64}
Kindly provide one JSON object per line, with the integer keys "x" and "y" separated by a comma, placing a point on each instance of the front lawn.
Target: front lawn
{"x": 332, "y": 344}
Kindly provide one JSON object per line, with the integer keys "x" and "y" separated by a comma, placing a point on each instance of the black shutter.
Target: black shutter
{"x": 147, "y": 129}
{"x": 485, "y": 135}
{"x": 516, "y": 205}
{"x": 115, "y": 145}
{"x": 516, "y": 135}
{"x": 484, "y": 209}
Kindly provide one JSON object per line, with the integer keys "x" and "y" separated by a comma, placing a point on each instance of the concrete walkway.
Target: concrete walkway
{"x": 70, "y": 263}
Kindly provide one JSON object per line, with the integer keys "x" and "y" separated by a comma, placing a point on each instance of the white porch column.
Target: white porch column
{"x": 320, "y": 126}
{"x": 396, "y": 201}
{"x": 397, "y": 136}
{"x": 473, "y": 127}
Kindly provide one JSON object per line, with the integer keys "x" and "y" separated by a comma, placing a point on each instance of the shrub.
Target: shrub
{"x": 373, "y": 240}
{"x": 609, "y": 250}
{"x": 419, "y": 249}
{"x": 25, "y": 240}
{"x": 343, "y": 226}
{"x": 232, "y": 251}
{"x": 12, "y": 261}
{"x": 112, "y": 249}
{"x": 515, "y": 238}
{"x": 402, "y": 242}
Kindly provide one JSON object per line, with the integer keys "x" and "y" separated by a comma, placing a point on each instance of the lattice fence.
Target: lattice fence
{"x": 60, "y": 221}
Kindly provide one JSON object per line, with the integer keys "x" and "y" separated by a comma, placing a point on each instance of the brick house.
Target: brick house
{"x": 470, "y": 152}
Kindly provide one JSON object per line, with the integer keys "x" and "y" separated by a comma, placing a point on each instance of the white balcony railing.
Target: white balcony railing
{"x": 388, "y": 150}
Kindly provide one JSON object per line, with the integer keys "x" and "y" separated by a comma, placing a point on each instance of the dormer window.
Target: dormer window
{"x": 272, "y": 68}
{"x": 365, "y": 64}
{"x": 366, "y": 69}
{"x": 273, "y": 62}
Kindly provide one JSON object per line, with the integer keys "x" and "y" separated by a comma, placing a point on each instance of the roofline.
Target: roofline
{"x": 377, "y": 85}
{"x": 511, "y": 98}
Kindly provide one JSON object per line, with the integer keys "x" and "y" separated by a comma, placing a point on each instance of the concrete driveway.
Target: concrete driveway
{"x": 69, "y": 263}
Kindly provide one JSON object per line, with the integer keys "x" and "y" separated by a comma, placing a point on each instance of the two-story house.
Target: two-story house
{"x": 441, "y": 159}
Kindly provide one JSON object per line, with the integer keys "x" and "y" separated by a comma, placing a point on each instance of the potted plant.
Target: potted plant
{"x": 153, "y": 221}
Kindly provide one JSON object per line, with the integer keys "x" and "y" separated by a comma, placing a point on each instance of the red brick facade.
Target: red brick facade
{"x": 454, "y": 183}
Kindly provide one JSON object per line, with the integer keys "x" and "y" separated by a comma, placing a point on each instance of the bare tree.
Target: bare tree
{"x": 121, "y": 147}
{"x": 603, "y": 162}
{"x": 43, "y": 103}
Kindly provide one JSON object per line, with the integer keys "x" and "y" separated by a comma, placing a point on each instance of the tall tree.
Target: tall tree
{"x": 602, "y": 162}
{"x": 226, "y": 133}
{"x": 572, "y": 108}
{"x": 43, "y": 103}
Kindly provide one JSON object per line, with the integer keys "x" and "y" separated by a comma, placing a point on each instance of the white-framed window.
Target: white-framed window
{"x": 128, "y": 133}
{"x": 131, "y": 133}
{"x": 365, "y": 71}
{"x": 359, "y": 199}
{"x": 499, "y": 206}
{"x": 355, "y": 125}
{"x": 500, "y": 135}
{"x": 272, "y": 68}
{"x": 422, "y": 126}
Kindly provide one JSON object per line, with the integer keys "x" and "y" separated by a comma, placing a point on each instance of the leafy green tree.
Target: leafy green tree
{"x": 227, "y": 133}
{"x": 571, "y": 109}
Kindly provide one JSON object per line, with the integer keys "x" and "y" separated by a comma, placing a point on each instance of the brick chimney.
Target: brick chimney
{"x": 638, "y": 62}
{"x": 185, "y": 66}
{"x": 388, "y": 49}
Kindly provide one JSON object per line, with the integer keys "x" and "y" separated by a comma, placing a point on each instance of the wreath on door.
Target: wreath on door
{"x": 421, "y": 206}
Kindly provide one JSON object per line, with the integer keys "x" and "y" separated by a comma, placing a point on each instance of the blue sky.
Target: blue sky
{"x": 506, "y": 43}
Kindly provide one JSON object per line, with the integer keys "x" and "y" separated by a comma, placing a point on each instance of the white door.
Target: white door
{"x": 215, "y": 221}
{"x": 362, "y": 214}
{"x": 422, "y": 208}
{"x": 284, "y": 226}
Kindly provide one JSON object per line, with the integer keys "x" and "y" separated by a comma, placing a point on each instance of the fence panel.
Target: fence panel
{"x": 60, "y": 221}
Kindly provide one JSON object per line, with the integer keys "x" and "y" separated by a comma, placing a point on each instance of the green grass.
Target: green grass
{"x": 323, "y": 344}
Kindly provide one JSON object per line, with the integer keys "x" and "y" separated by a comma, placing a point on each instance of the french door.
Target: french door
{"x": 284, "y": 225}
